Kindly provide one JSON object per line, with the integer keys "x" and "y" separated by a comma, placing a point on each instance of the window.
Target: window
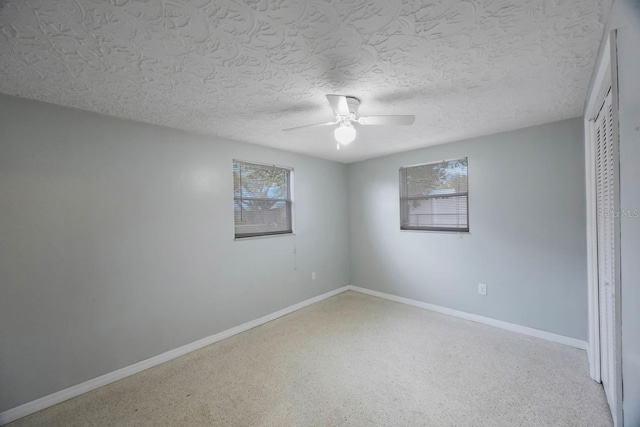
{"x": 261, "y": 199}
{"x": 435, "y": 196}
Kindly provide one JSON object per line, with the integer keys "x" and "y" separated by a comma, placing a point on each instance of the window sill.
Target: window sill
{"x": 417, "y": 230}
{"x": 267, "y": 236}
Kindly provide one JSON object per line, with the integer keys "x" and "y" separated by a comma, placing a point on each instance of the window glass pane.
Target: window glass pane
{"x": 438, "y": 178}
{"x": 251, "y": 180}
{"x": 435, "y": 196}
{"x": 445, "y": 212}
{"x": 262, "y": 202}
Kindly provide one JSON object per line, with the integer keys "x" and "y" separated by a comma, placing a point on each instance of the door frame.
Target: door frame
{"x": 605, "y": 78}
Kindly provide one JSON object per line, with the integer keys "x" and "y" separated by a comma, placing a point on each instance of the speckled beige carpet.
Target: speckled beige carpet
{"x": 353, "y": 360}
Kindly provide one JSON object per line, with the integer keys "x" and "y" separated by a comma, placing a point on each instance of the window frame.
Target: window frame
{"x": 404, "y": 213}
{"x": 288, "y": 201}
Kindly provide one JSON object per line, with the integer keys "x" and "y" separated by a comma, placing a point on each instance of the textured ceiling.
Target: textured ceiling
{"x": 247, "y": 69}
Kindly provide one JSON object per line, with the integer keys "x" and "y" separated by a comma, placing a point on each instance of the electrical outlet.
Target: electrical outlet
{"x": 313, "y": 276}
{"x": 482, "y": 289}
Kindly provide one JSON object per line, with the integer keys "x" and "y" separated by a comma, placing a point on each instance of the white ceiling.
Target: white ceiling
{"x": 247, "y": 69}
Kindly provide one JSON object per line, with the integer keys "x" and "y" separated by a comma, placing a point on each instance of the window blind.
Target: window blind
{"x": 435, "y": 196}
{"x": 261, "y": 199}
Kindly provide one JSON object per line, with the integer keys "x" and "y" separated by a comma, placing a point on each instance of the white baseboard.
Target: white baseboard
{"x": 78, "y": 389}
{"x": 549, "y": 336}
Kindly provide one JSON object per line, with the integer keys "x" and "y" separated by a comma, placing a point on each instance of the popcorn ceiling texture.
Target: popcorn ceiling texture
{"x": 246, "y": 70}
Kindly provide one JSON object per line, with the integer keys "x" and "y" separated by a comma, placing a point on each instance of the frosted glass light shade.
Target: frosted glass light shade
{"x": 345, "y": 134}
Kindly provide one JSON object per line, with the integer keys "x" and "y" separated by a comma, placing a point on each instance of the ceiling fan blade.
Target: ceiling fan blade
{"x": 311, "y": 126}
{"x": 387, "y": 120}
{"x": 339, "y": 104}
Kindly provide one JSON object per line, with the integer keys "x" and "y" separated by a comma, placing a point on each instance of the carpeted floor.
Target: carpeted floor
{"x": 353, "y": 360}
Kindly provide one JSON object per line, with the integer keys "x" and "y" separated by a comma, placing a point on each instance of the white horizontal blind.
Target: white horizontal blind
{"x": 261, "y": 199}
{"x": 435, "y": 196}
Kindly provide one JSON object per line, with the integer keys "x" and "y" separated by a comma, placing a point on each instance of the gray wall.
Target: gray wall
{"x": 625, "y": 17}
{"x": 116, "y": 244}
{"x": 527, "y": 238}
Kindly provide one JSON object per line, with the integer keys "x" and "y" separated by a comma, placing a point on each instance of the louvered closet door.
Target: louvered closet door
{"x": 606, "y": 167}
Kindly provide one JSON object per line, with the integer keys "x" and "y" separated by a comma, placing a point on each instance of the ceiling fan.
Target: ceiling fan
{"x": 346, "y": 111}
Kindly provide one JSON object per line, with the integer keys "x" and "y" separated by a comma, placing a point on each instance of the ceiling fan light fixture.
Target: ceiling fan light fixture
{"x": 345, "y": 109}
{"x": 345, "y": 133}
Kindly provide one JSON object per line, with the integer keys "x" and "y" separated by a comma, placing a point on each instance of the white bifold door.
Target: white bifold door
{"x": 606, "y": 170}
